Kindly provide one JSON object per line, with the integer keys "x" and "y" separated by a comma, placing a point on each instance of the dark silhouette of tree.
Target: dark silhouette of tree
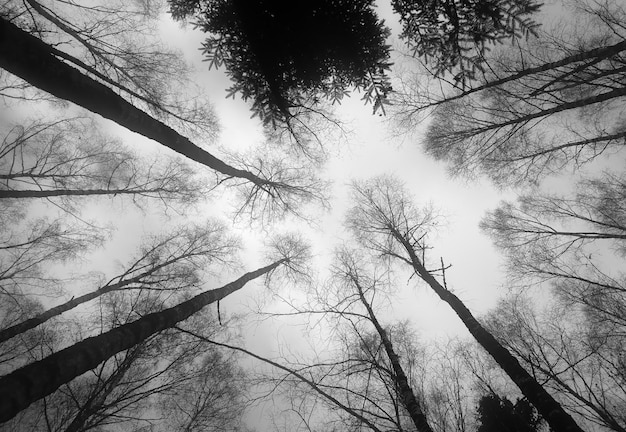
{"x": 28, "y": 249}
{"x": 146, "y": 385}
{"x": 30, "y": 383}
{"x": 371, "y": 363}
{"x": 115, "y": 42}
{"x": 69, "y": 158}
{"x": 283, "y": 55}
{"x": 574, "y": 349}
{"x": 349, "y": 271}
{"x": 454, "y": 35}
{"x": 385, "y": 220}
{"x": 36, "y": 62}
{"x": 170, "y": 263}
{"x": 497, "y": 414}
{"x": 36, "y": 380}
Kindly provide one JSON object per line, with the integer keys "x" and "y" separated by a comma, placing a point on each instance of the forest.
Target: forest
{"x": 340, "y": 215}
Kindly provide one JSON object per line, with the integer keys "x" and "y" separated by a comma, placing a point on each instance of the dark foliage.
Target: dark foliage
{"x": 454, "y": 34}
{"x": 497, "y": 414}
{"x": 283, "y": 54}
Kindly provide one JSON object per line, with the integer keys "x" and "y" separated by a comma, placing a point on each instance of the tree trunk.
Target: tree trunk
{"x": 99, "y": 395}
{"x": 34, "y": 381}
{"x": 594, "y": 55}
{"x": 558, "y": 419}
{"x": 71, "y": 192}
{"x": 41, "y": 318}
{"x": 32, "y": 60}
{"x": 406, "y": 392}
{"x": 602, "y": 97}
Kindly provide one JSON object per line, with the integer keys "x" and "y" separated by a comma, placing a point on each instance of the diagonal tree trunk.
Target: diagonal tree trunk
{"x": 100, "y": 394}
{"x": 34, "y": 381}
{"x": 73, "y": 192}
{"x": 406, "y": 392}
{"x": 34, "y": 61}
{"x": 558, "y": 419}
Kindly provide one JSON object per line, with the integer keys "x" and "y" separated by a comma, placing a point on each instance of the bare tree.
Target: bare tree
{"x": 36, "y": 380}
{"x": 68, "y": 158}
{"x": 349, "y": 270}
{"x": 169, "y": 263}
{"x": 575, "y": 357}
{"x": 552, "y": 102}
{"x": 32, "y": 382}
{"x": 569, "y": 242}
{"x": 386, "y": 221}
{"x": 117, "y": 43}
{"x": 145, "y": 385}
{"x": 98, "y": 98}
{"x": 26, "y": 251}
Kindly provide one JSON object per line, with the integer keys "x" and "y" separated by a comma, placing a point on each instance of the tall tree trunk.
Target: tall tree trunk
{"x": 558, "y": 419}
{"x": 123, "y": 284}
{"x": 406, "y": 392}
{"x": 33, "y": 60}
{"x": 34, "y": 381}
{"x": 565, "y": 106}
{"x": 72, "y": 192}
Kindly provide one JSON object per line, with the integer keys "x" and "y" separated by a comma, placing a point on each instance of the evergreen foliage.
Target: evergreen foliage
{"x": 283, "y": 54}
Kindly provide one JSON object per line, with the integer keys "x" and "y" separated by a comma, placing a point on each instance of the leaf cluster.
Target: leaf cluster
{"x": 454, "y": 35}
{"x": 282, "y": 54}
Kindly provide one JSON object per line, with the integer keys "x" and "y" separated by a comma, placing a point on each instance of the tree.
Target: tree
{"x": 384, "y": 220}
{"x": 282, "y": 55}
{"x": 116, "y": 43}
{"x": 145, "y": 385}
{"x": 549, "y": 104}
{"x": 569, "y": 243}
{"x": 497, "y": 414}
{"x": 27, "y": 249}
{"x": 571, "y": 352}
{"x": 69, "y": 158}
{"x": 27, "y": 57}
{"x": 211, "y": 400}
{"x": 36, "y": 380}
{"x": 349, "y": 270}
{"x": 367, "y": 364}
{"x": 169, "y": 263}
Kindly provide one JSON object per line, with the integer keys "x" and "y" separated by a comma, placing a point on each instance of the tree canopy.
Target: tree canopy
{"x": 282, "y": 54}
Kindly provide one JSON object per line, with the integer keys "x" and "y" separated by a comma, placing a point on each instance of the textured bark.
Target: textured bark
{"x": 32, "y": 382}
{"x": 406, "y": 392}
{"x": 558, "y": 419}
{"x": 33, "y": 61}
